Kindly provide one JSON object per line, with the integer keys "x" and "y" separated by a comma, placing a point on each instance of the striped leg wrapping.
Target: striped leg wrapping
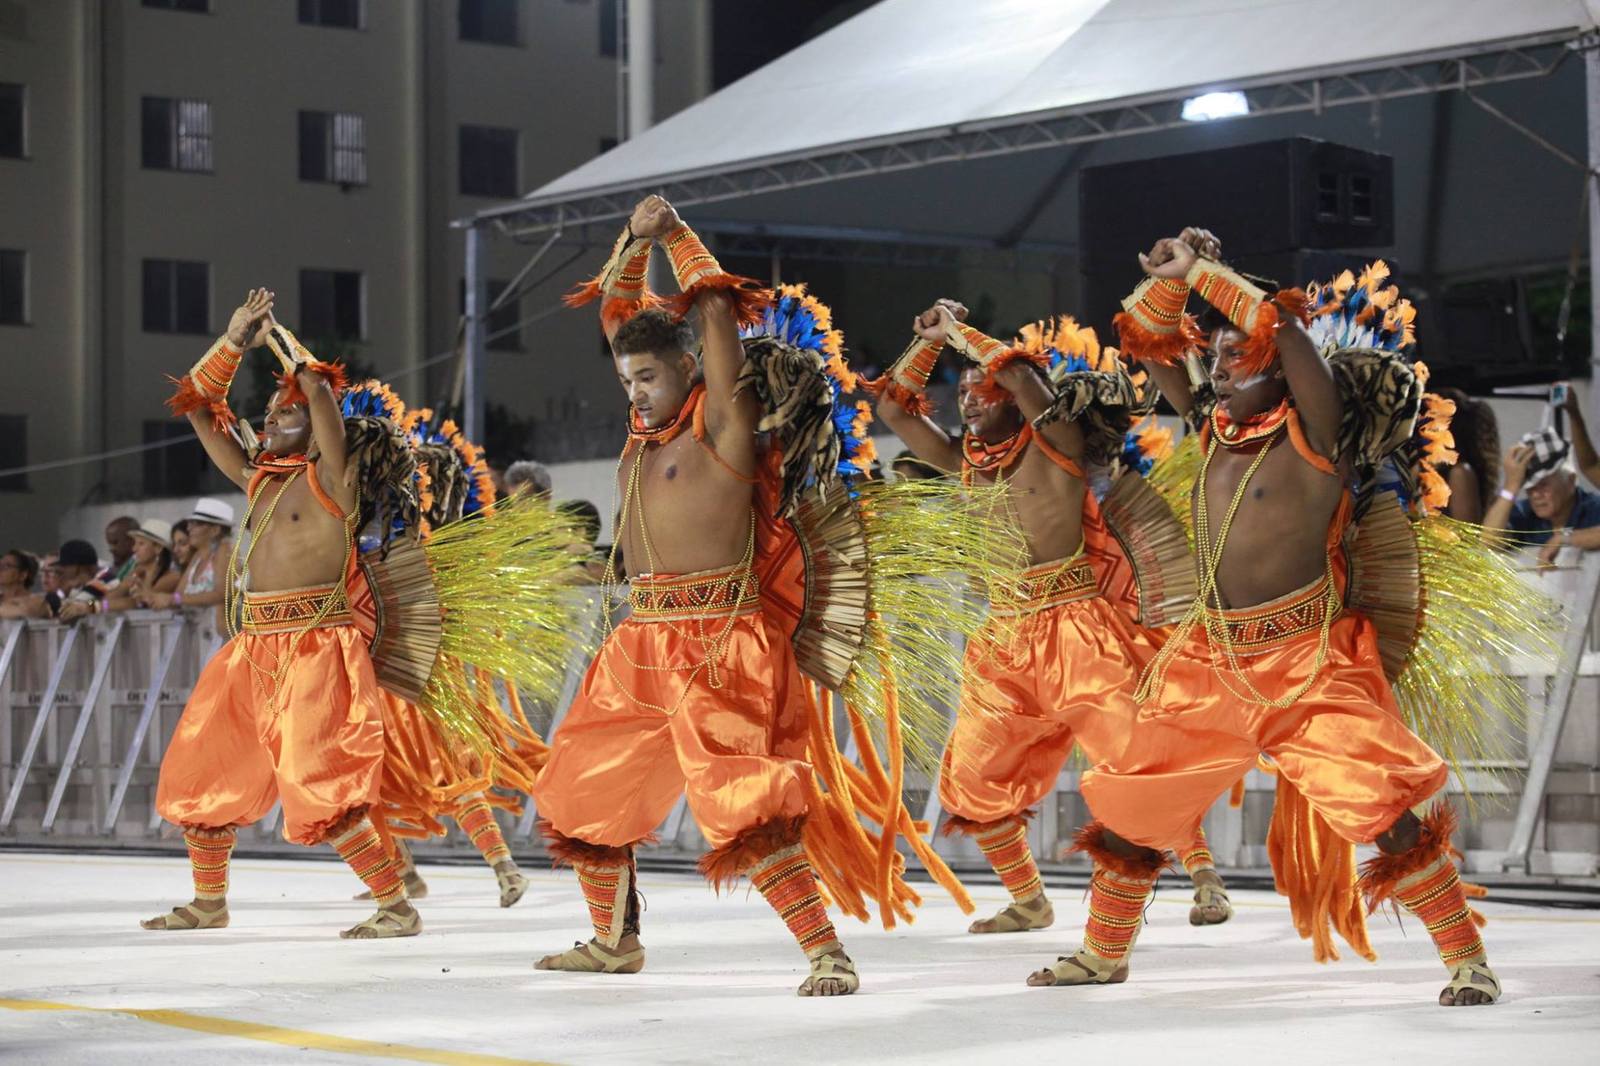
{"x": 606, "y": 890}
{"x": 477, "y": 821}
{"x": 785, "y": 880}
{"x": 363, "y": 850}
{"x": 1116, "y": 910}
{"x": 209, "y": 851}
{"x": 1006, "y": 848}
{"x": 1434, "y": 894}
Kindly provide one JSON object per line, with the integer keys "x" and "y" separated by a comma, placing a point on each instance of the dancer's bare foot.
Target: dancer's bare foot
{"x": 595, "y": 957}
{"x": 1471, "y": 984}
{"x": 832, "y": 974}
{"x": 1081, "y": 968}
{"x": 1211, "y": 903}
{"x": 1035, "y": 913}
{"x": 512, "y": 883}
{"x": 399, "y": 920}
{"x": 196, "y": 914}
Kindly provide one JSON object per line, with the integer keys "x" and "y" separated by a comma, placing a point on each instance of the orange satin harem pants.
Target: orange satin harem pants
{"x": 1055, "y": 665}
{"x": 316, "y": 743}
{"x": 696, "y": 691}
{"x": 1343, "y": 744}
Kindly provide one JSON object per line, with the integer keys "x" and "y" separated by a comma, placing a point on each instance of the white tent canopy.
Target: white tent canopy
{"x": 912, "y": 82}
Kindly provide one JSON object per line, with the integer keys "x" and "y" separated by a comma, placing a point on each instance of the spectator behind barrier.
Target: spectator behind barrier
{"x": 153, "y": 570}
{"x": 908, "y": 467}
{"x": 209, "y": 526}
{"x": 1556, "y": 511}
{"x": 528, "y": 477}
{"x": 588, "y": 517}
{"x": 19, "y": 571}
{"x": 120, "y": 542}
{"x": 181, "y": 551}
{"x": 1476, "y": 475}
{"x": 76, "y": 595}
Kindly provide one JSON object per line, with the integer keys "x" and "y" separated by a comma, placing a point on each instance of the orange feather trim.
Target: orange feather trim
{"x": 1091, "y": 841}
{"x": 723, "y": 866}
{"x": 955, "y": 825}
{"x": 991, "y": 391}
{"x": 1380, "y": 876}
{"x": 916, "y": 403}
{"x": 750, "y": 298}
{"x": 1261, "y": 345}
{"x": 289, "y": 385}
{"x": 187, "y": 399}
{"x": 569, "y": 851}
{"x": 1146, "y": 346}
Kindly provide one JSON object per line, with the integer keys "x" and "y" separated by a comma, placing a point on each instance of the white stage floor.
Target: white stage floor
{"x": 81, "y": 983}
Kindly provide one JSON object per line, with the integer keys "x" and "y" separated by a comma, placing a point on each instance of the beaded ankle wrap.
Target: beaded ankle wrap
{"x": 209, "y": 852}
{"x": 622, "y": 286}
{"x": 1197, "y": 856}
{"x": 206, "y": 385}
{"x": 1424, "y": 881}
{"x": 1118, "y": 893}
{"x": 608, "y": 889}
{"x": 477, "y": 821}
{"x": 1152, "y": 325}
{"x": 1006, "y": 848}
{"x": 786, "y": 881}
{"x": 360, "y": 847}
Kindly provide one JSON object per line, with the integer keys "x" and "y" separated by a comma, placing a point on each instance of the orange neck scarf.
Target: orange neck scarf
{"x": 980, "y": 457}
{"x": 687, "y": 416}
{"x": 1232, "y": 434}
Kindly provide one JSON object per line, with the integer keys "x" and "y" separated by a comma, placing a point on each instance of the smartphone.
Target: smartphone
{"x": 1558, "y": 393}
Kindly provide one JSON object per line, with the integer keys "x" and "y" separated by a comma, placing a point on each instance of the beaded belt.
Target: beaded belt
{"x": 1046, "y": 585}
{"x": 702, "y": 594}
{"x": 1270, "y": 625}
{"x": 291, "y": 610}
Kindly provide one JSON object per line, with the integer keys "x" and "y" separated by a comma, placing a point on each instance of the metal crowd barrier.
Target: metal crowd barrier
{"x": 86, "y": 711}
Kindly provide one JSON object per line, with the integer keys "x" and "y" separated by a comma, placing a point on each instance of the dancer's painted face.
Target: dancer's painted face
{"x": 1240, "y": 393}
{"x": 657, "y": 385}
{"x": 990, "y": 421}
{"x": 287, "y": 430}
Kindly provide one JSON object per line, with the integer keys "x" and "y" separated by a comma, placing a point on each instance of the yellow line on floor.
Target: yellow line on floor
{"x": 272, "y": 1034}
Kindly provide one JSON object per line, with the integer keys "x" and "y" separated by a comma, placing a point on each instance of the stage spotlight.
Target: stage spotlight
{"x": 1210, "y": 106}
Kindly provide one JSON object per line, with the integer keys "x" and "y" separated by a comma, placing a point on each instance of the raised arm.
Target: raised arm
{"x": 1582, "y": 447}
{"x": 1018, "y": 377}
{"x": 202, "y": 394}
{"x": 310, "y": 378}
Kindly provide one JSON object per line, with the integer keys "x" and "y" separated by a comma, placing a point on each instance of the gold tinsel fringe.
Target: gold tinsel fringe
{"x": 1173, "y": 477}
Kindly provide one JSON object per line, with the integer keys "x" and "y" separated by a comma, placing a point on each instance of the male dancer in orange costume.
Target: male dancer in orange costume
{"x": 290, "y": 708}
{"x": 1270, "y": 661}
{"x": 1058, "y": 663}
{"x": 697, "y": 690}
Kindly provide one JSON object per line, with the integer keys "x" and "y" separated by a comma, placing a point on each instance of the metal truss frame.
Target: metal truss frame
{"x": 1467, "y": 68}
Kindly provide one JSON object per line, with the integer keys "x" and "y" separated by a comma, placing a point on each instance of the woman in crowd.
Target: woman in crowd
{"x": 153, "y": 569}
{"x": 1476, "y": 475}
{"x": 18, "y": 573}
{"x": 205, "y": 576}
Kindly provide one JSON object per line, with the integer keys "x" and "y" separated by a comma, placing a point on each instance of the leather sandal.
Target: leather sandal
{"x": 188, "y": 917}
{"x": 594, "y": 957}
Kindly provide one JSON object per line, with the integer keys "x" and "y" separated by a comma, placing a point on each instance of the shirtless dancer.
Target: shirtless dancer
{"x": 289, "y": 708}
{"x": 1271, "y": 661}
{"x": 1058, "y": 663}
{"x": 697, "y": 691}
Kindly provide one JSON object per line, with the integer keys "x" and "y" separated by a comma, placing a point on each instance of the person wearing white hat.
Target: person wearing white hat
{"x": 153, "y": 572}
{"x": 210, "y": 528}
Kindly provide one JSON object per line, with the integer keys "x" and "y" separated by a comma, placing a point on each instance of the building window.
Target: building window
{"x": 608, "y": 28}
{"x": 488, "y": 161}
{"x": 343, "y": 14}
{"x": 13, "y": 451}
{"x": 504, "y": 329}
{"x": 488, "y": 21}
{"x": 331, "y": 305}
{"x": 179, "y": 469}
{"x": 176, "y": 134}
{"x": 13, "y": 287}
{"x": 13, "y": 120}
{"x": 200, "y": 6}
{"x": 177, "y": 296}
{"x": 333, "y": 147}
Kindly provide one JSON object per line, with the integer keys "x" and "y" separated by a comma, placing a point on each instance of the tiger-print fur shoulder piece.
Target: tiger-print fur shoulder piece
{"x": 796, "y": 398}
{"x": 1105, "y": 402}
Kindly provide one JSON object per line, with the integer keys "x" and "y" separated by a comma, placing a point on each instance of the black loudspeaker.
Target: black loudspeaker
{"x": 1273, "y": 204}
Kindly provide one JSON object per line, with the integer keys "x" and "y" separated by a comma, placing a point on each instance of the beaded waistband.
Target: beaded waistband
{"x": 1046, "y": 585}
{"x": 702, "y": 594}
{"x": 1270, "y": 625}
{"x": 291, "y": 610}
